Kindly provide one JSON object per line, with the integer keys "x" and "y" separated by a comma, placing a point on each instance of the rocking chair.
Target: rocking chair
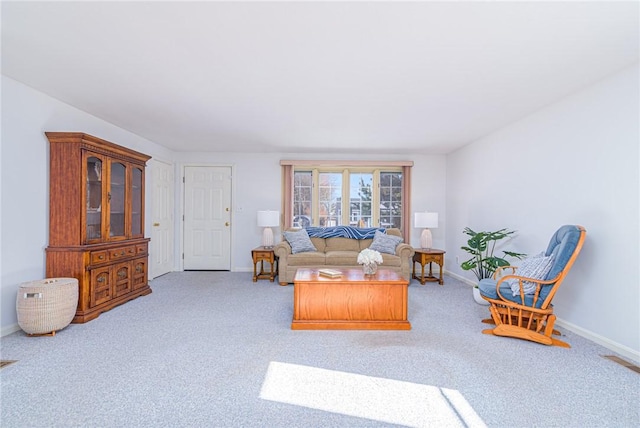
{"x": 529, "y": 314}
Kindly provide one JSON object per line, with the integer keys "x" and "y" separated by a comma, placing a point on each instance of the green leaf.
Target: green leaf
{"x": 470, "y": 250}
{"x": 516, "y": 255}
{"x": 480, "y": 246}
{"x": 469, "y": 264}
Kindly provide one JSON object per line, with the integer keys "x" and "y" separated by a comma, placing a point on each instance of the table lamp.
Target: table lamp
{"x": 426, "y": 220}
{"x": 268, "y": 219}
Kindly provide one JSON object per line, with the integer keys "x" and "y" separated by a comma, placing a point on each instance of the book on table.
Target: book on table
{"x": 331, "y": 273}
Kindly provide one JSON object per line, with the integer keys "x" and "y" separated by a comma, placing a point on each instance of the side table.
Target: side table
{"x": 261, "y": 255}
{"x": 424, "y": 256}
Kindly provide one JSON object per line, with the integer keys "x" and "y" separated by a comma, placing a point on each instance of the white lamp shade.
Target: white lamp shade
{"x": 426, "y": 219}
{"x": 268, "y": 218}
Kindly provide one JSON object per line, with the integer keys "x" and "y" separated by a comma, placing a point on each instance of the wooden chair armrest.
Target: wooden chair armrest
{"x": 521, "y": 279}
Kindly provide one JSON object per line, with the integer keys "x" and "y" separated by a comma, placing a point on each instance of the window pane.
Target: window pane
{"x": 330, "y": 198}
{"x": 360, "y": 199}
{"x": 391, "y": 199}
{"x": 302, "y": 185}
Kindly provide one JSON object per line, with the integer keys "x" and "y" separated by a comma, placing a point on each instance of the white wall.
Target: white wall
{"x": 257, "y": 186}
{"x": 26, "y": 115}
{"x": 574, "y": 162}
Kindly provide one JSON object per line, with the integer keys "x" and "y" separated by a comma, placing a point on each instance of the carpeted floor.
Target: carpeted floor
{"x": 214, "y": 349}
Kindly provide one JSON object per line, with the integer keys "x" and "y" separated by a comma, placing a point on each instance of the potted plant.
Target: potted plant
{"x": 483, "y": 263}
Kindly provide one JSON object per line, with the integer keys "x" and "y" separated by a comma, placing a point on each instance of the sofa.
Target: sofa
{"x": 339, "y": 250}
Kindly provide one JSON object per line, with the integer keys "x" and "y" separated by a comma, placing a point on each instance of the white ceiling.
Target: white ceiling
{"x": 414, "y": 77}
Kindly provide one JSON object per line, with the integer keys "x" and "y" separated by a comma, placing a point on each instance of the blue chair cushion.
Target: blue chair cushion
{"x": 487, "y": 288}
{"x": 562, "y": 245}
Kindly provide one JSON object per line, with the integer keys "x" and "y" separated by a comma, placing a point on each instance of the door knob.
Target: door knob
{"x": 156, "y": 224}
{"x": 226, "y": 223}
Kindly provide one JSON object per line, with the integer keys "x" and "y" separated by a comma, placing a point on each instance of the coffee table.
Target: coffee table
{"x": 352, "y": 301}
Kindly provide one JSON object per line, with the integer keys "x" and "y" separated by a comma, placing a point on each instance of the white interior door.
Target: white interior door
{"x": 207, "y": 218}
{"x": 162, "y": 209}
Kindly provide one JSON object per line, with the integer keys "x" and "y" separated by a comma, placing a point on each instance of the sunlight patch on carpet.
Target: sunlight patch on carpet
{"x": 386, "y": 400}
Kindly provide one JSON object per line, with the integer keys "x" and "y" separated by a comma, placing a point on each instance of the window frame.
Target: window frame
{"x": 289, "y": 167}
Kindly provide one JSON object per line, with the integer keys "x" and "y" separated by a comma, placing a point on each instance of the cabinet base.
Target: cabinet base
{"x": 93, "y": 313}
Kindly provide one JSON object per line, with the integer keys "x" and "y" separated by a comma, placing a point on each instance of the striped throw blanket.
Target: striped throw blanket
{"x": 343, "y": 232}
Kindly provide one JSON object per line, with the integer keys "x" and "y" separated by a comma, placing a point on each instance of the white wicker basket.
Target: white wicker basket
{"x": 48, "y": 305}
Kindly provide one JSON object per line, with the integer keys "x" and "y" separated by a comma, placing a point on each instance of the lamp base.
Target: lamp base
{"x": 267, "y": 237}
{"x": 426, "y": 240}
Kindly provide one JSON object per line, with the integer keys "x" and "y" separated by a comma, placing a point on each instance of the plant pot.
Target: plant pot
{"x": 478, "y": 298}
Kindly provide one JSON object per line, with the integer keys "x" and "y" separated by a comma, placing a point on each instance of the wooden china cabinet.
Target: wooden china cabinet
{"x": 96, "y": 221}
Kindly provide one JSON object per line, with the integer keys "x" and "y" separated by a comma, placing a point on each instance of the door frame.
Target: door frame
{"x": 183, "y": 166}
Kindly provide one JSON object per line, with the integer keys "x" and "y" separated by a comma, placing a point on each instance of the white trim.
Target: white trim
{"x": 601, "y": 340}
{"x": 460, "y": 278}
{"x": 589, "y": 335}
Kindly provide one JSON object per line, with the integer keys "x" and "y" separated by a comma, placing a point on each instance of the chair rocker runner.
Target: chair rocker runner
{"x": 529, "y": 314}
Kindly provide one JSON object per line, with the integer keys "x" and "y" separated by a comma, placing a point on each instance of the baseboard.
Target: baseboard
{"x": 461, "y": 278}
{"x": 601, "y": 340}
{"x": 594, "y": 337}
{"x": 9, "y": 329}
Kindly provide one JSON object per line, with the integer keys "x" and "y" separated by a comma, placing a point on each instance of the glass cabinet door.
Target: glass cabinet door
{"x": 117, "y": 199}
{"x": 94, "y": 198}
{"x": 136, "y": 202}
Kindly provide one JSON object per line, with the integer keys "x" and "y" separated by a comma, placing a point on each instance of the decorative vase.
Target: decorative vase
{"x": 370, "y": 268}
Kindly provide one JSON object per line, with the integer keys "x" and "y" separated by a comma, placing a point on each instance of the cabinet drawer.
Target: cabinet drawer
{"x": 434, "y": 259}
{"x": 262, "y": 255}
{"x": 141, "y": 249}
{"x": 99, "y": 257}
{"x": 120, "y": 253}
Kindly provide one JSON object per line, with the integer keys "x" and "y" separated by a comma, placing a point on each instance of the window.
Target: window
{"x": 391, "y": 199}
{"x": 360, "y": 199}
{"x": 302, "y": 187}
{"x": 359, "y": 195}
{"x": 329, "y": 199}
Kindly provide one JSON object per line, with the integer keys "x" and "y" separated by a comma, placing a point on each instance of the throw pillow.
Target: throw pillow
{"x": 536, "y": 267}
{"x": 385, "y": 243}
{"x": 299, "y": 241}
